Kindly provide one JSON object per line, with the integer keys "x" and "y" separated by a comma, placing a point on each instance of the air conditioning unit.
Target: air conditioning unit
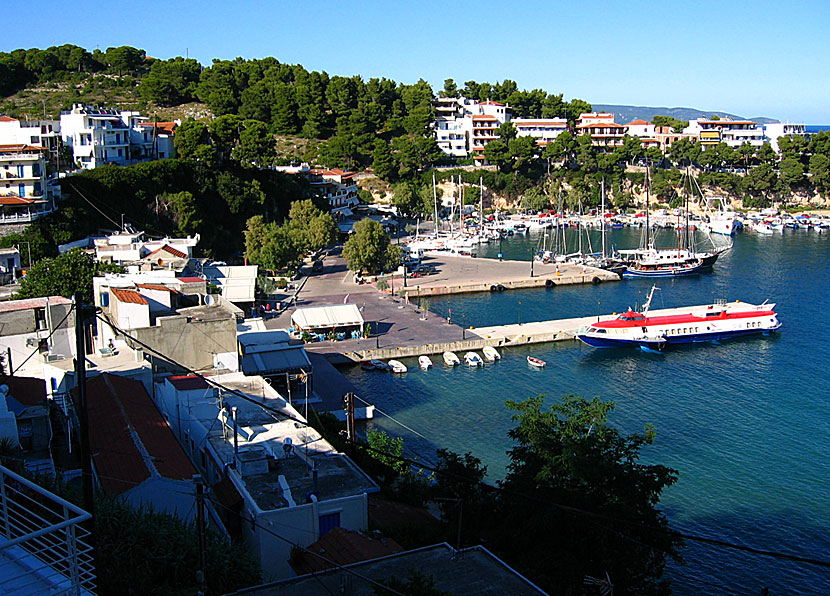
{"x": 54, "y": 357}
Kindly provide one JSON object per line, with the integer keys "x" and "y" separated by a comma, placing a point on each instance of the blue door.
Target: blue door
{"x": 328, "y": 522}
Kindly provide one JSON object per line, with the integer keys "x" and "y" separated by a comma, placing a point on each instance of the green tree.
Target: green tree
{"x": 270, "y": 246}
{"x": 124, "y": 59}
{"x": 406, "y": 198}
{"x": 382, "y": 161}
{"x": 193, "y": 142}
{"x": 310, "y": 228}
{"x": 450, "y": 89}
{"x": 256, "y": 145}
{"x": 171, "y": 82}
{"x": 792, "y": 173}
{"x": 498, "y": 154}
{"x": 370, "y": 249}
{"x": 676, "y": 125}
{"x": 579, "y": 475}
{"x": 820, "y": 172}
{"x": 64, "y": 275}
{"x": 534, "y": 199}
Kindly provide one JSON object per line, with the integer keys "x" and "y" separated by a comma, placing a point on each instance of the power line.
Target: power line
{"x": 47, "y": 338}
{"x": 434, "y": 469}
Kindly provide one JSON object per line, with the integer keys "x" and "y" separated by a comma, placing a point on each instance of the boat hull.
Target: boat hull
{"x": 661, "y": 343}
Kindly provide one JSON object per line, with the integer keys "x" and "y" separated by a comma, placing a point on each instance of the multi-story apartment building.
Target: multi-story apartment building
{"x": 23, "y": 194}
{"x": 42, "y": 133}
{"x": 544, "y": 130}
{"x": 775, "y": 130}
{"x": 604, "y": 132}
{"x": 105, "y": 136}
{"x": 732, "y": 132}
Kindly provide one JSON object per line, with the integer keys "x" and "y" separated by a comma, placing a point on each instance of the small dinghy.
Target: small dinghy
{"x": 490, "y": 353}
{"x": 397, "y": 366}
{"x": 536, "y": 362}
{"x": 424, "y": 362}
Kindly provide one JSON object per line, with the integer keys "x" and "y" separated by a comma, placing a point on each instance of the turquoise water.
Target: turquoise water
{"x": 745, "y": 422}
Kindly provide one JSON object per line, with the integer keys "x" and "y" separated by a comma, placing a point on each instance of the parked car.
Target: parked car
{"x": 317, "y": 266}
{"x": 422, "y": 270}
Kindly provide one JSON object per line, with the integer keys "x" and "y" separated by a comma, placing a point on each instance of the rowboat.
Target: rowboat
{"x": 536, "y": 362}
{"x": 424, "y": 362}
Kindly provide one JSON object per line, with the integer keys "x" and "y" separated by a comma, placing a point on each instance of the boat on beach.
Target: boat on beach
{"x": 450, "y": 359}
{"x": 711, "y": 322}
{"x": 490, "y": 353}
{"x": 424, "y": 362}
{"x": 537, "y": 362}
{"x": 397, "y": 366}
{"x": 473, "y": 359}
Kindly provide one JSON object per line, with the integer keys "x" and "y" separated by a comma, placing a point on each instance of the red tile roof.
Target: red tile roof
{"x": 158, "y": 287}
{"x": 188, "y": 382}
{"x": 169, "y": 250}
{"x": 130, "y": 296}
{"x": 490, "y": 103}
{"x": 21, "y": 148}
{"x": 15, "y": 200}
{"x": 166, "y": 127}
{"x": 190, "y": 280}
{"x": 342, "y": 547}
{"x": 124, "y": 424}
{"x": 484, "y": 118}
{"x": 601, "y": 125}
{"x": 28, "y": 391}
{"x": 637, "y": 123}
{"x": 5, "y": 118}
{"x": 30, "y": 303}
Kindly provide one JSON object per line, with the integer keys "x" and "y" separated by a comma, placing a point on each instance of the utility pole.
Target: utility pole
{"x": 200, "y": 523}
{"x": 81, "y": 311}
{"x": 348, "y": 400}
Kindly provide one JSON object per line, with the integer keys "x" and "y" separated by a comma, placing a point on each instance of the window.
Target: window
{"x": 40, "y": 318}
{"x": 36, "y": 169}
{"x": 20, "y": 171}
{"x": 21, "y": 190}
{"x": 34, "y": 140}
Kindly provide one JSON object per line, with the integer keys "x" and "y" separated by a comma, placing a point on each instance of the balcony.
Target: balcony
{"x": 42, "y": 541}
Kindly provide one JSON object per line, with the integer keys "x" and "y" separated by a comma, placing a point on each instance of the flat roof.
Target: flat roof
{"x": 266, "y": 433}
{"x": 473, "y": 570}
{"x": 30, "y": 303}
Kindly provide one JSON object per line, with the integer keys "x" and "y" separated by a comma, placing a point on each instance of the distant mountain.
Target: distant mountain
{"x": 625, "y": 114}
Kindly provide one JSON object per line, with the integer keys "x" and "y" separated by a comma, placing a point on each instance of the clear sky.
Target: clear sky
{"x": 752, "y": 59}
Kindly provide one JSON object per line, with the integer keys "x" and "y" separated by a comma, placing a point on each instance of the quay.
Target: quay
{"x": 458, "y": 275}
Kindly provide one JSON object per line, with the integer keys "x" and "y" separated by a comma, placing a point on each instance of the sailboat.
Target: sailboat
{"x": 650, "y": 261}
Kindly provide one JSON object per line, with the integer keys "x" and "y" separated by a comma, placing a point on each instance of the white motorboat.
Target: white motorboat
{"x": 450, "y": 359}
{"x": 473, "y": 359}
{"x": 490, "y": 353}
{"x": 397, "y": 366}
{"x": 424, "y": 362}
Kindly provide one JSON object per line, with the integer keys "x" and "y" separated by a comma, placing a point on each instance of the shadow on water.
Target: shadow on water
{"x": 715, "y": 570}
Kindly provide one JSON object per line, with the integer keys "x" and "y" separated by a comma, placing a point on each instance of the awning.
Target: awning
{"x": 327, "y": 317}
{"x": 277, "y": 361}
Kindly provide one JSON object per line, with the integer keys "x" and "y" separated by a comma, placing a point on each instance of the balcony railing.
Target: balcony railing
{"x": 42, "y": 541}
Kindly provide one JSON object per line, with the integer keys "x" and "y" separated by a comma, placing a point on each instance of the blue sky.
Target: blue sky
{"x": 753, "y": 59}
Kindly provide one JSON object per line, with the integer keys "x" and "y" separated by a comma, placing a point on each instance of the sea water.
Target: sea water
{"x": 745, "y": 422}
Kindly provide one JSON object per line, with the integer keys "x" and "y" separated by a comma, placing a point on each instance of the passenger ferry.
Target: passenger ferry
{"x": 699, "y": 323}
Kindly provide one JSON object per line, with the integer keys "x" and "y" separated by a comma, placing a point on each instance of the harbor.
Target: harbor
{"x": 736, "y": 418}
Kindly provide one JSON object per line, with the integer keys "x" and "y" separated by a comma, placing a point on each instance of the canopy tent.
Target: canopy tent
{"x": 329, "y": 317}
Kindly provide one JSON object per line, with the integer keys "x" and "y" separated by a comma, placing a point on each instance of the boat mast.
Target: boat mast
{"x": 481, "y": 205}
{"x": 435, "y": 204}
{"x": 602, "y": 223}
{"x": 648, "y": 200}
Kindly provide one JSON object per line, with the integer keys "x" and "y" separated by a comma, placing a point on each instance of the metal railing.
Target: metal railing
{"x": 42, "y": 541}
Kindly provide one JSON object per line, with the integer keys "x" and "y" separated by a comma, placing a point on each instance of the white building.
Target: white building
{"x": 36, "y": 331}
{"x": 101, "y": 136}
{"x": 604, "y": 132}
{"x": 544, "y": 130}
{"x": 41, "y": 133}
{"x": 23, "y": 190}
{"x": 732, "y": 132}
{"x": 278, "y": 480}
{"x": 775, "y": 130}
{"x": 464, "y": 126}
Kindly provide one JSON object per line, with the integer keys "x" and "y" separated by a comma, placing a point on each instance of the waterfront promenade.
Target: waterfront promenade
{"x": 401, "y": 328}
